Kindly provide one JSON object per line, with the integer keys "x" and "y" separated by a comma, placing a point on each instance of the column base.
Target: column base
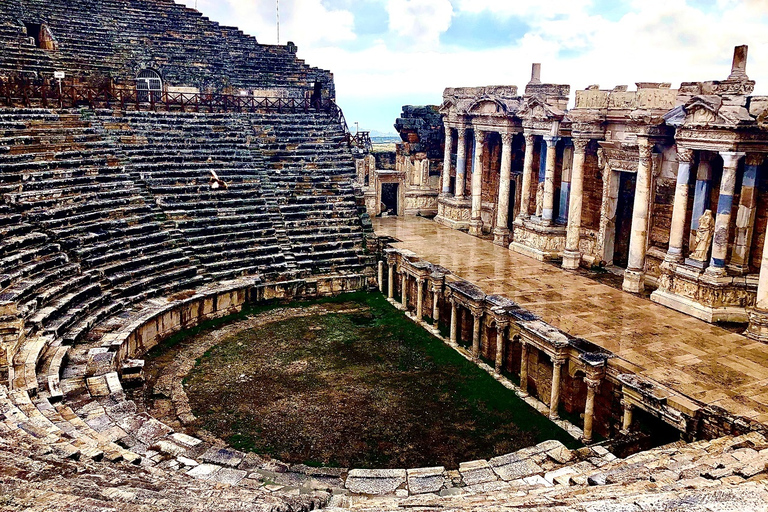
{"x": 758, "y": 325}
{"x": 501, "y": 237}
{"x": 586, "y": 440}
{"x": 476, "y": 227}
{"x": 715, "y": 271}
{"x": 571, "y": 259}
{"x": 634, "y": 281}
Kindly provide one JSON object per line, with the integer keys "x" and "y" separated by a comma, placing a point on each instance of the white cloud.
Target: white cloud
{"x": 420, "y": 22}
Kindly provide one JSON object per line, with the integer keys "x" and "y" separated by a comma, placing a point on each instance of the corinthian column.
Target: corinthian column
{"x": 723, "y": 219}
{"x": 447, "y": 160}
{"x": 634, "y": 276}
{"x": 554, "y": 399}
{"x": 548, "y": 207}
{"x": 572, "y": 254}
{"x": 461, "y": 162}
{"x": 476, "y": 222}
{"x": 745, "y": 218}
{"x": 589, "y": 409}
{"x": 680, "y": 208}
{"x": 501, "y": 233}
{"x": 528, "y": 170}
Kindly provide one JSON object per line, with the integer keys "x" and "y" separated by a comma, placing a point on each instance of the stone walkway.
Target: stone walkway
{"x": 702, "y": 361}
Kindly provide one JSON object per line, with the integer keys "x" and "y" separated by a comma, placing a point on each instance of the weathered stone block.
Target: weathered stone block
{"x": 223, "y": 456}
{"x": 476, "y": 472}
{"x": 424, "y": 480}
{"x": 375, "y": 481}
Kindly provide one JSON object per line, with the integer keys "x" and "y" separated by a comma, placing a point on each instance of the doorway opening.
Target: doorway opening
{"x": 511, "y": 209}
{"x": 389, "y": 192}
{"x": 149, "y": 86}
{"x": 624, "y": 207}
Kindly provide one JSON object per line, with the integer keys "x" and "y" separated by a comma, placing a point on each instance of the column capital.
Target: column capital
{"x": 644, "y": 150}
{"x": 529, "y": 139}
{"x": 479, "y": 136}
{"x": 419, "y": 280}
{"x": 731, "y": 158}
{"x": 580, "y": 145}
{"x": 500, "y": 327}
{"x": 627, "y": 404}
{"x": 593, "y": 382}
{"x": 559, "y": 359}
{"x": 684, "y": 155}
{"x": 506, "y": 138}
{"x": 755, "y": 158}
{"x": 477, "y": 313}
{"x": 551, "y": 140}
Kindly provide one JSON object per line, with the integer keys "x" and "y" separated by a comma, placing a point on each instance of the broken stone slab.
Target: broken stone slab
{"x": 476, "y": 472}
{"x": 203, "y": 471}
{"x": 223, "y": 456}
{"x": 375, "y": 481}
{"x": 152, "y": 430}
{"x": 560, "y": 454}
{"x": 185, "y": 440}
{"x": 228, "y": 476}
{"x": 511, "y": 467}
{"x": 169, "y": 448}
{"x": 424, "y": 480}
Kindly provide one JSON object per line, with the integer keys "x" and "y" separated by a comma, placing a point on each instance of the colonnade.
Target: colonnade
{"x": 501, "y": 323}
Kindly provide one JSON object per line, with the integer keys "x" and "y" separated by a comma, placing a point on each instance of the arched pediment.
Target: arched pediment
{"x": 536, "y": 109}
{"x": 487, "y": 106}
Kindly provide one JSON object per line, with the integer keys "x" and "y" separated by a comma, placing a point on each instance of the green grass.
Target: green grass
{"x": 364, "y": 389}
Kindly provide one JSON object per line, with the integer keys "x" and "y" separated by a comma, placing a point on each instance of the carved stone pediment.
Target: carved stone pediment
{"x": 703, "y": 111}
{"x": 535, "y": 109}
{"x": 447, "y": 106}
{"x": 488, "y": 106}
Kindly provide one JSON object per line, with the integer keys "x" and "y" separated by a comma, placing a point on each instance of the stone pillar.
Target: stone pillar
{"x": 454, "y": 322}
{"x": 589, "y": 408}
{"x": 680, "y": 208}
{"x": 381, "y": 276}
{"x": 528, "y": 170}
{"x": 572, "y": 253}
{"x": 501, "y": 233}
{"x": 723, "y": 219}
{"x": 435, "y": 308}
{"x": 419, "y": 298}
{"x": 524, "y": 368}
{"x": 542, "y": 178}
{"x": 565, "y": 183}
{"x": 626, "y": 423}
{"x": 634, "y": 276}
{"x": 554, "y": 397}
{"x": 745, "y": 219}
{"x": 447, "y": 160}
{"x": 758, "y": 316}
{"x": 548, "y": 207}
{"x": 478, "y": 317}
{"x": 500, "y": 328}
{"x": 461, "y": 162}
{"x": 404, "y": 290}
{"x": 391, "y": 281}
{"x": 475, "y": 221}
{"x": 701, "y": 195}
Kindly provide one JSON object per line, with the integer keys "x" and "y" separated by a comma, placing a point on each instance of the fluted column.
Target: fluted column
{"x": 634, "y": 276}
{"x": 381, "y": 276}
{"x": 723, "y": 219}
{"x": 419, "y": 298}
{"x": 501, "y": 233}
{"x": 477, "y": 315}
{"x": 565, "y": 183}
{"x": 589, "y": 408}
{"x": 745, "y": 218}
{"x": 461, "y": 162}
{"x": 447, "y": 160}
{"x": 475, "y": 221}
{"x": 680, "y": 208}
{"x": 404, "y": 290}
{"x": 500, "y": 328}
{"x": 391, "y": 281}
{"x": 554, "y": 397}
{"x": 701, "y": 194}
{"x": 548, "y": 207}
{"x": 454, "y": 323}
{"x": 524, "y": 368}
{"x": 541, "y": 179}
{"x": 528, "y": 170}
{"x": 572, "y": 253}
{"x": 626, "y": 422}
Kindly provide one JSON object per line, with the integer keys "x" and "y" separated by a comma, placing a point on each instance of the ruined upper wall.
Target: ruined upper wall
{"x": 118, "y": 38}
{"x": 422, "y": 129}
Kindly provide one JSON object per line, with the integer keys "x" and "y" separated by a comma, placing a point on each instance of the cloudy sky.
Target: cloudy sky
{"x": 387, "y": 53}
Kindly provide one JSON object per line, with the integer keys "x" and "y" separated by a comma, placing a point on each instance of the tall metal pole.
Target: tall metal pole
{"x": 277, "y": 15}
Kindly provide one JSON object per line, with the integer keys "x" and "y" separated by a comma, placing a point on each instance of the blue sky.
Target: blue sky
{"x": 388, "y": 53}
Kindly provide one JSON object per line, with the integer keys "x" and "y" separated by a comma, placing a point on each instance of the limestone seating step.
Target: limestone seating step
{"x": 145, "y": 269}
{"x": 24, "y": 289}
{"x": 73, "y": 315}
{"x": 175, "y": 278}
{"x": 11, "y": 244}
{"x": 13, "y": 263}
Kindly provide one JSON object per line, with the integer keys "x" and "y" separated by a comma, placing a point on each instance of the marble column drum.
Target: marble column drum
{"x": 447, "y": 160}
{"x": 528, "y": 171}
{"x": 572, "y": 253}
{"x": 680, "y": 207}
{"x": 634, "y": 276}
{"x": 461, "y": 163}
{"x": 475, "y": 221}
{"x": 548, "y": 207}
{"x": 745, "y": 218}
{"x": 723, "y": 219}
{"x": 501, "y": 232}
